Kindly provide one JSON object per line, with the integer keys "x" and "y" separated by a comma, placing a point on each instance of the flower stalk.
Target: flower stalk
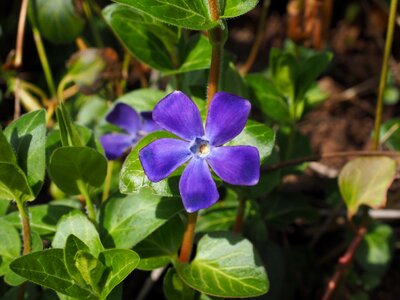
{"x": 26, "y": 226}
{"x": 89, "y": 204}
{"x": 188, "y": 237}
{"x": 237, "y": 227}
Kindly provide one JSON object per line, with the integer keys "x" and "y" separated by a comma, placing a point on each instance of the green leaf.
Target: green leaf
{"x": 127, "y": 220}
{"x": 43, "y": 218}
{"x": 120, "y": 263}
{"x": 3, "y": 207}
{"x": 27, "y": 136}
{"x": 148, "y": 40}
{"x": 69, "y": 165}
{"x": 72, "y": 246}
{"x": 6, "y": 152}
{"x": 258, "y": 135}
{"x": 90, "y": 268}
{"x": 142, "y": 99}
{"x": 175, "y": 288}
{"x": 14, "y": 184}
{"x": 226, "y": 265}
{"x": 365, "y": 180}
{"x": 187, "y": 14}
{"x": 10, "y": 246}
{"x": 58, "y": 20}
{"x": 47, "y": 268}
{"x": 133, "y": 179}
{"x": 269, "y": 99}
{"x": 162, "y": 246}
{"x": 390, "y": 134}
{"x": 235, "y": 8}
{"x": 77, "y": 223}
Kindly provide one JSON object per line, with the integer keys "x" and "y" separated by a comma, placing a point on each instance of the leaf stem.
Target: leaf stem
{"x": 188, "y": 237}
{"x": 237, "y": 228}
{"x": 89, "y": 204}
{"x": 20, "y": 35}
{"x": 43, "y": 59}
{"x": 26, "y": 226}
{"x": 316, "y": 157}
{"x": 258, "y": 39}
{"x": 384, "y": 71}
{"x": 107, "y": 181}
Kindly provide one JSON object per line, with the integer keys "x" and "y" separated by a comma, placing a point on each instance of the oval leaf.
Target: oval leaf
{"x": 365, "y": 180}
{"x": 226, "y": 265}
{"x": 14, "y": 184}
{"x": 68, "y": 165}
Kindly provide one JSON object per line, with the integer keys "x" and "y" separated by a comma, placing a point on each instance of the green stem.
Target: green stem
{"x": 89, "y": 204}
{"x": 60, "y": 89}
{"x": 107, "y": 182}
{"x": 237, "y": 228}
{"x": 383, "y": 79}
{"x": 44, "y": 61}
{"x": 93, "y": 27}
{"x": 188, "y": 237}
{"x": 26, "y": 226}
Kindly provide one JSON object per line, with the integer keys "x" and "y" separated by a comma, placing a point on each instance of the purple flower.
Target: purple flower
{"x": 135, "y": 126}
{"x": 227, "y": 116}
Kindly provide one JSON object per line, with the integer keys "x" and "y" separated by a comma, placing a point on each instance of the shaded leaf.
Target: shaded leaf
{"x": 142, "y": 99}
{"x": 175, "y": 288}
{"x": 14, "y": 184}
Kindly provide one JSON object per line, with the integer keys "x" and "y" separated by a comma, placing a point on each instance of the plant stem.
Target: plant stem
{"x": 237, "y": 228}
{"x": 107, "y": 181}
{"x": 257, "y": 41}
{"x": 89, "y": 204}
{"x": 43, "y": 60}
{"x": 88, "y": 12}
{"x": 344, "y": 262}
{"x": 26, "y": 226}
{"x": 384, "y": 71}
{"x": 20, "y": 35}
{"x": 188, "y": 237}
{"x": 316, "y": 157}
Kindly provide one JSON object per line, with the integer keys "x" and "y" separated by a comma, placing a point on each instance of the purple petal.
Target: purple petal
{"x": 115, "y": 144}
{"x": 197, "y": 188}
{"x": 226, "y": 118}
{"x": 161, "y": 157}
{"x": 178, "y": 114}
{"x": 125, "y": 117}
{"x": 148, "y": 124}
{"x": 238, "y": 165}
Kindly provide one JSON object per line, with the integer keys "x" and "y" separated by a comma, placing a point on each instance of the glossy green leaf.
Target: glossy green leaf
{"x": 235, "y": 8}
{"x": 268, "y": 98}
{"x": 127, "y": 220}
{"x": 226, "y": 265}
{"x": 120, "y": 263}
{"x": 47, "y": 268}
{"x": 58, "y": 20}
{"x": 258, "y": 135}
{"x": 14, "y": 184}
{"x": 160, "y": 247}
{"x": 175, "y": 288}
{"x": 72, "y": 246}
{"x": 69, "y": 165}
{"x": 133, "y": 179}
{"x": 142, "y": 99}
{"x": 43, "y": 217}
{"x": 27, "y": 136}
{"x": 365, "y": 180}
{"x": 90, "y": 268}
{"x": 187, "y": 14}
{"x": 77, "y": 223}
{"x": 6, "y": 152}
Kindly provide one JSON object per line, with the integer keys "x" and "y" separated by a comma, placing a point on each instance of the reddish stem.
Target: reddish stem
{"x": 237, "y": 228}
{"x": 188, "y": 237}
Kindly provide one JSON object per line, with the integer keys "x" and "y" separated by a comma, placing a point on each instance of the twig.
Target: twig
{"x": 17, "y": 99}
{"x": 344, "y": 262}
{"x": 20, "y": 35}
{"x": 316, "y": 157}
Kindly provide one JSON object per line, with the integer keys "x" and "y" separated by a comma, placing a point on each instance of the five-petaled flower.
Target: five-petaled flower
{"x": 135, "y": 126}
{"x": 237, "y": 165}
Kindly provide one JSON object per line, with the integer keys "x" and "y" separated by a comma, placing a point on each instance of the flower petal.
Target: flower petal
{"x": 226, "y": 118}
{"x": 178, "y": 114}
{"x": 148, "y": 124}
{"x": 161, "y": 157}
{"x": 115, "y": 144}
{"x": 125, "y": 117}
{"x": 197, "y": 188}
{"x": 238, "y": 165}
